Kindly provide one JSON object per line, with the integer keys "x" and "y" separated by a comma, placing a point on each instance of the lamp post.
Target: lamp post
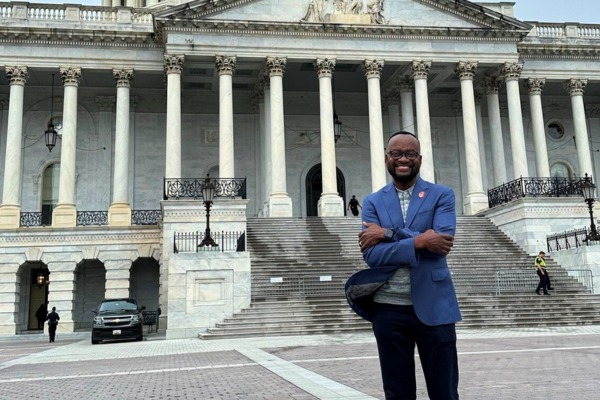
{"x": 51, "y": 133}
{"x": 208, "y": 193}
{"x": 587, "y": 190}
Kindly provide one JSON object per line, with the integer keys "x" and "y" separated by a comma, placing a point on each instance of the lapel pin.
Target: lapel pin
{"x": 422, "y": 194}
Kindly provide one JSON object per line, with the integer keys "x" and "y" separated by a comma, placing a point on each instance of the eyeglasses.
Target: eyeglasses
{"x": 397, "y": 155}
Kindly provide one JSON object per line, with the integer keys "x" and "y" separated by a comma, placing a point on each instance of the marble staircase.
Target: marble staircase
{"x": 306, "y": 248}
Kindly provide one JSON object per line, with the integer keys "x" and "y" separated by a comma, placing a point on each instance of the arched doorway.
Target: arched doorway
{"x": 314, "y": 188}
{"x": 90, "y": 289}
{"x": 33, "y": 292}
{"x": 145, "y": 282}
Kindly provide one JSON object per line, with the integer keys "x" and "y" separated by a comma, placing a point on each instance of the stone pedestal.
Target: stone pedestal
{"x": 280, "y": 207}
{"x": 474, "y": 203}
{"x": 119, "y": 214}
{"x": 64, "y": 216}
{"x": 10, "y": 217}
{"x": 330, "y": 206}
{"x": 529, "y": 220}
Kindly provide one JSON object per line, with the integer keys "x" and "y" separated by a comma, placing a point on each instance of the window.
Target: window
{"x": 51, "y": 179}
{"x": 561, "y": 170}
{"x": 555, "y": 130}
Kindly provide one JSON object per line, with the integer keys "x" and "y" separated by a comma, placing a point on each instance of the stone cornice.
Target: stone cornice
{"x": 87, "y": 37}
{"x": 559, "y": 51}
{"x": 95, "y": 235}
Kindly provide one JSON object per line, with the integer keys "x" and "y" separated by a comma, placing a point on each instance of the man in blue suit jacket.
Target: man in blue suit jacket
{"x": 407, "y": 293}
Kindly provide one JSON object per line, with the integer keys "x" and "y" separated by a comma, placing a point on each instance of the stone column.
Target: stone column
{"x": 119, "y": 213}
{"x": 480, "y": 136}
{"x": 420, "y": 71}
{"x": 117, "y": 279}
{"x": 407, "y": 87}
{"x": 134, "y": 101}
{"x": 173, "y": 68}
{"x": 65, "y": 213}
{"x": 258, "y": 103}
{"x": 226, "y": 67}
{"x": 10, "y": 211}
{"x": 492, "y": 86}
{"x": 372, "y": 69}
{"x": 280, "y": 204}
{"x": 511, "y": 72}
{"x": 576, "y": 88}
{"x": 535, "y": 87}
{"x": 476, "y": 199}
{"x": 61, "y": 291}
{"x": 330, "y": 204}
{"x": 266, "y": 85}
{"x": 4, "y": 104}
{"x": 393, "y": 102}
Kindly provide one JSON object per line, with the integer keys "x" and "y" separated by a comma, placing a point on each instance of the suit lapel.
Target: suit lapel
{"x": 392, "y": 205}
{"x": 419, "y": 195}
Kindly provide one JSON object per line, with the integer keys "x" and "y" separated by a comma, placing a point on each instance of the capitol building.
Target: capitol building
{"x": 113, "y": 115}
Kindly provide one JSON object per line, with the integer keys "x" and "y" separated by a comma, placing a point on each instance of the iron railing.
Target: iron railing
{"x": 265, "y": 288}
{"x": 29, "y": 219}
{"x": 145, "y": 217}
{"x": 569, "y": 240}
{"x": 189, "y": 242}
{"x": 191, "y": 188}
{"x": 88, "y": 218}
{"x": 583, "y": 276}
{"x": 534, "y": 187}
{"x": 519, "y": 280}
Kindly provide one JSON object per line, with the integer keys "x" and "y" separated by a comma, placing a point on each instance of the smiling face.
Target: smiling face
{"x": 404, "y": 171}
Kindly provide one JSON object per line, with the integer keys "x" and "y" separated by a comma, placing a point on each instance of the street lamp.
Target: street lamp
{"x": 40, "y": 280}
{"x": 337, "y": 128}
{"x": 208, "y": 193}
{"x": 587, "y": 189}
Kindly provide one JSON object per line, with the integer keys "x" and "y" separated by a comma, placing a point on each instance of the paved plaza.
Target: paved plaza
{"x": 544, "y": 363}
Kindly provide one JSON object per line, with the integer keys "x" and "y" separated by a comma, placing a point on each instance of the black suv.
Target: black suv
{"x": 118, "y": 319}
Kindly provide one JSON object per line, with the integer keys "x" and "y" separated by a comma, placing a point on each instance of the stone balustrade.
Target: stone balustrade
{"x": 20, "y": 11}
{"x": 565, "y": 30}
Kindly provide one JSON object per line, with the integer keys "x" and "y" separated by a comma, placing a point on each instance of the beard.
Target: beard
{"x": 406, "y": 177}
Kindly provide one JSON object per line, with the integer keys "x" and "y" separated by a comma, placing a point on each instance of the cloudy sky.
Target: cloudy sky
{"x": 526, "y": 10}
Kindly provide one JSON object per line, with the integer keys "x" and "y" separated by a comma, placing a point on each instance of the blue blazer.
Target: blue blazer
{"x": 431, "y": 207}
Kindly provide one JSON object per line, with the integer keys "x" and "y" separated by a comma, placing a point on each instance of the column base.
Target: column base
{"x": 330, "y": 206}
{"x": 8, "y": 329}
{"x": 10, "y": 217}
{"x": 280, "y": 206}
{"x": 64, "y": 216}
{"x": 119, "y": 214}
{"x": 474, "y": 203}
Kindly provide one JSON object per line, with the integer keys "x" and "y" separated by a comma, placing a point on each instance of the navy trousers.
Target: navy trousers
{"x": 397, "y": 329}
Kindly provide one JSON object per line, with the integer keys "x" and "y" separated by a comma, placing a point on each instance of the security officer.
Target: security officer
{"x": 52, "y": 319}
{"x": 540, "y": 267}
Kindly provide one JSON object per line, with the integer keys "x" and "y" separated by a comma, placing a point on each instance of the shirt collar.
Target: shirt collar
{"x": 408, "y": 191}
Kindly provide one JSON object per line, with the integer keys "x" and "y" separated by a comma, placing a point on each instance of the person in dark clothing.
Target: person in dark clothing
{"x": 540, "y": 269}
{"x": 41, "y": 315}
{"x": 353, "y": 206}
{"x": 53, "y": 319}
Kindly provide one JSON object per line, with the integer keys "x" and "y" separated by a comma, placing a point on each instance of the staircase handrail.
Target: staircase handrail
{"x": 510, "y": 280}
{"x": 534, "y": 187}
{"x": 300, "y": 286}
{"x": 569, "y": 240}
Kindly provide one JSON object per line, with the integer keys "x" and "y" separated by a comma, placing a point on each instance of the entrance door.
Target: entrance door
{"x": 314, "y": 188}
{"x": 37, "y": 297}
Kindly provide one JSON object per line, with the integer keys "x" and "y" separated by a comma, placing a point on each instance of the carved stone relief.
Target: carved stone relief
{"x": 211, "y": 136}
{"x": 345, "y": 11}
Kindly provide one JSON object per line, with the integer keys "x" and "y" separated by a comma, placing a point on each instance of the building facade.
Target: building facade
{"x": 295, "y": 98}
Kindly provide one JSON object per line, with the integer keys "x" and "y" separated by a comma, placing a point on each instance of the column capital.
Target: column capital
{"x": 71, "y": 76}
{"x": 466, "y": 70}
{"x": 511, "y": 71}
{"x": 420, "y": 69}
{"x": 123, "y": 77}
{"x": 225, "y": 65}
{"x": 324, "y": 67}
{"x": 17, "y": 75}
{"x": 173, "y": 63}
{"x": 373, "y": 68}
{"x": 392, "y": 96}
{"x": 576, "y": 87}
{"x": 105, "y": 103}
{"x": 406, "y": 84}
{"x": 535, "y": 85}
{"x": 492, "y": 85}
{"x": 478, "y": 97}
{"x": 275, "y": 66}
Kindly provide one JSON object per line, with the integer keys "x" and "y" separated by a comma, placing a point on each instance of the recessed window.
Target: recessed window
{"x": 561, "y": 170}
{"x": 555, "y": 130}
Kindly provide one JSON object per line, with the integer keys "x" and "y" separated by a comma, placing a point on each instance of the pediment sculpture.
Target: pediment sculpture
{"x": 345, "y": 11}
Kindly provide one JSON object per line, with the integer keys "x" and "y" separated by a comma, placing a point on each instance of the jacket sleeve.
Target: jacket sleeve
{"x": 400, "y": 252}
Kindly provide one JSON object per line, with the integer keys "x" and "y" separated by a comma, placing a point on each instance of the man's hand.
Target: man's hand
{"x": 438, "y": 243}
{"x": 373, "y": 235}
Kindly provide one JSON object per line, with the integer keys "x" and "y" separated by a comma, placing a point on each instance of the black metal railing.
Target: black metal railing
{"x": 191, "y": 188}
{"x": 534, "y": 187}
{"x": 35, "y": 219}
{"x": 88, "y": 218}
{"x": 145, "y": 217}
{"x": 570, "y": 240}
{"x": 188, "y": 242}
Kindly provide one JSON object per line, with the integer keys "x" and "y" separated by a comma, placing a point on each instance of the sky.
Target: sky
{"x": 587, "y": 11}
